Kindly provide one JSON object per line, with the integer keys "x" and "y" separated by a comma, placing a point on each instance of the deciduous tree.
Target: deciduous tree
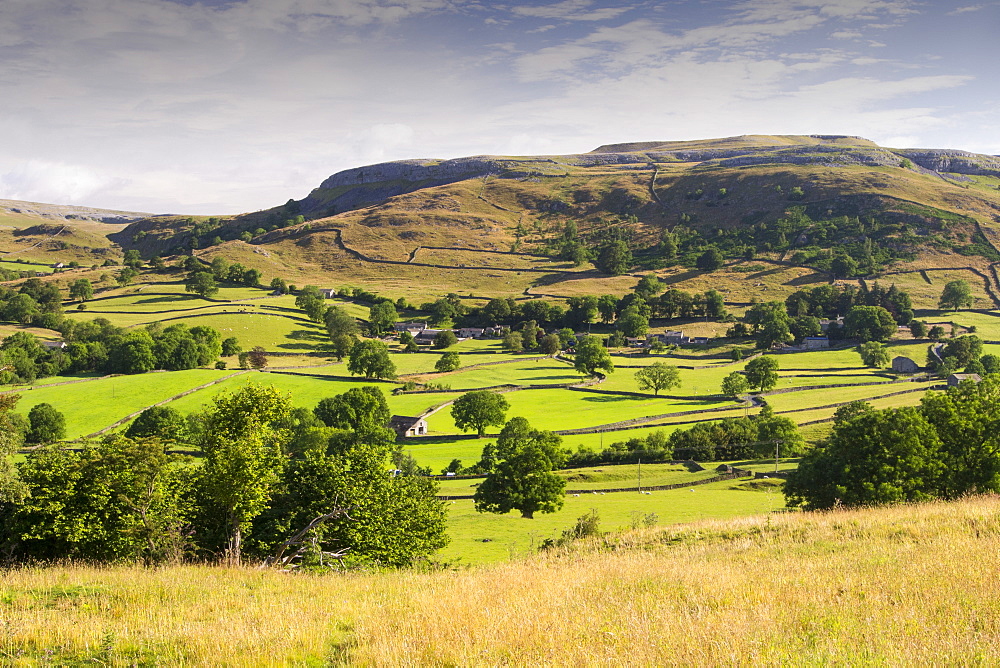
{"x": 444, "y": 339}
{"x": 371, "y": 360}
{"x": 243, "y": 455}
{"x": 81, "y": 290}
{"x": 591, "y": 357}
{"x": 202, "y": 283}
{"x": 382, "y": 317}
{"x": 478, "y": 410}
{"x": 735, "y": 384}
{"x": 46, "y": 424}
{"x": 522, "y": 478}
{"x": 658, "y": 376}
{"x": 874, "y": 457}
{"x": 448, "y": 362}
{"x": 762, "y": 372}
{"x": 874, "y": 354}
{"x": 869, "y": 323}
{"x": 160, "y": 422}
{"x": 956, "y": 295}
{"x": 361, "y": 409}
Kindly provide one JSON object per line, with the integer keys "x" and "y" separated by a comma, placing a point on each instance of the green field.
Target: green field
{"x": 255, "y": 318}
{"x": 541, "y": 372}
{"x": 480, "y": 538}
{"x": 25, "y": 266}
{"x": 599, "y": 478}
{"x": 274, "y": 331}
{"x": 96, "y": 404}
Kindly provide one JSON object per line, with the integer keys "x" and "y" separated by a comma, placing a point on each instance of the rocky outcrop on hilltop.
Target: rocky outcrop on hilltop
{"x": 954, "y": 162}
{"x": 374, "y": 184}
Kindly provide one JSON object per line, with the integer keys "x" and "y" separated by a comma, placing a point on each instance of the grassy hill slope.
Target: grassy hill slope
{"x": 907, "y": 585}
{"x": 922, "y": 209}
{"x": 494, "y": 224}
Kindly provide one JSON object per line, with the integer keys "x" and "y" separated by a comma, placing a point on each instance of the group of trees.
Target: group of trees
{"x": 869, "y": 315}
{"x": 945, "y": 448}
{"x": 961, "y": 353}
{"x": 760, "y": 373}
{"x": 203, "y": 280}
{"x": 828, "y": 301}
{"x": 732, "y": 438}
{"x": 845, "y": 246}
{"x": 630, "y": 313}
{"x": 267, "y": 473}
{"x": 751, "y": 437}
{"x": 43, "y": 424}
{"x": 99, "y": 346}
{"x": 35, "y": 302}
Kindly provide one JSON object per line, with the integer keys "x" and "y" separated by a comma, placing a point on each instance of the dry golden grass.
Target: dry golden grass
{"x": 925, "y": 295}
{"x": 909, "y": 585}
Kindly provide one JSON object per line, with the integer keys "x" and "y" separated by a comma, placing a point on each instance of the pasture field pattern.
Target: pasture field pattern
{"x": 810, "y": 387}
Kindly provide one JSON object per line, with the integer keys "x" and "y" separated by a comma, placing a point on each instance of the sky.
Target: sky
{"x": 227, "y": 106}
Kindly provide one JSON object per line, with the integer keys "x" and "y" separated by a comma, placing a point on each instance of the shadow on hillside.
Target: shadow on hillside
{"x": 165, "y": 299}
{"x": 808, "y": 279}
{"x": 305, "y": 334}
{"x": 683, "y": 276}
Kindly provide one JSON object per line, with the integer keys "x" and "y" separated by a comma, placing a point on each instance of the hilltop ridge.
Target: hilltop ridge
{"x": 798, "y": 200}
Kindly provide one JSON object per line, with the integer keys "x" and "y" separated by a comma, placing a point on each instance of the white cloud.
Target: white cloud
{"x": 573, "y": 10}
{"x": 968, "y": 9}
{"x": 901, "y": 141}
{"x": 41, "y": 181}
{"x": 166, "y": 106}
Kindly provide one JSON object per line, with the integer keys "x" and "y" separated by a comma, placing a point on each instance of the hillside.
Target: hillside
{"x": 522, "y": 227}
{"x": 33, "y": 233}
{"x": 798, "y": 200}
{"x": 907, "y": 585}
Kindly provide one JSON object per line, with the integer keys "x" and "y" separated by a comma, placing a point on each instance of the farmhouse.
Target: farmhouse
{"x": 904, "y": 365}
{"x": 329, "y": 293}
{"x": 670, "y": 337}
{"x": 411, "y": 327}
{"x": 470, "y": 332}
{"x": 427, "y": 335}
{"x": 54, "y": 345}
{"x": 956, "y": 378}
{"x": 816, "y": 342}
{"x": 406, "y": 427}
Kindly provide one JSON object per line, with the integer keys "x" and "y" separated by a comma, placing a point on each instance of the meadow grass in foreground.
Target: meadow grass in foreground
{"x": 908, "y": 585}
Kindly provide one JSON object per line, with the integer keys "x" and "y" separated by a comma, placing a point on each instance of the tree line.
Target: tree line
{"x": 945, "y": 448}
{"x": 264, "y": 473}
{"x": 101, "y": 347}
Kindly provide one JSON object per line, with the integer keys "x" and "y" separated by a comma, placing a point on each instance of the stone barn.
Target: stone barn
{"x": 904, "y": 365}
{"x": 956, "y": 378}
{"x": 407, "y": 427}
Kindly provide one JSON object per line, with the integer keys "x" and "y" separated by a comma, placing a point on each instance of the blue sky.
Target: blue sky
{"x": 218, "y": 106}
